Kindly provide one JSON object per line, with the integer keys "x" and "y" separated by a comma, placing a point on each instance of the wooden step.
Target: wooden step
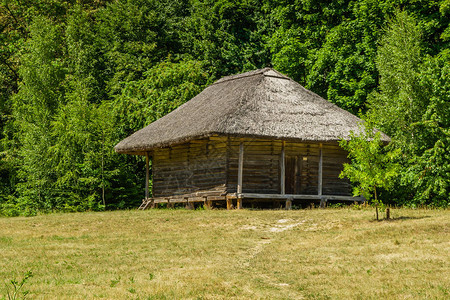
{"x": 145, "y": 203}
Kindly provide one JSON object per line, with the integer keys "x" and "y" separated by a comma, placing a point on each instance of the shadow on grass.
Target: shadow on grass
{"x": 402, "y": 218}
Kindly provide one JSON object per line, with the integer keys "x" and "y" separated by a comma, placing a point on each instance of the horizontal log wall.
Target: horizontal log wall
{"x": 261, "y": 170}
{"x": 196, "y": 166}
{"x": 307, "y": 166}
{"x": 333, "y": 159}
{"x": 261, "y": 166}
{"x": 211, "y": 165}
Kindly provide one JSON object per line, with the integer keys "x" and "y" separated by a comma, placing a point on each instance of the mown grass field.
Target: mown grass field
{"x": 219, "y": 254}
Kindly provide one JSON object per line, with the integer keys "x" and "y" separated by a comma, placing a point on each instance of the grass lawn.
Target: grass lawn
{"x": 219, "y": 254}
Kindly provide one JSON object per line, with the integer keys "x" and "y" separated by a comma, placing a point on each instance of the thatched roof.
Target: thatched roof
{"x": 262, "y": 103}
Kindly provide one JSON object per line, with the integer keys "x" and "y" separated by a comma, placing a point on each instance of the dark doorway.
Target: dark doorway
{"x": 292, "y": 175}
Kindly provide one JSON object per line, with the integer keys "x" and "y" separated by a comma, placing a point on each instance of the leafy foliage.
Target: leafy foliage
{"x": 415, "y": 89}
{"x": 162, "y": 88}
{"x": 78, "y": 76}
{"x": 372, "y": 166}
{"x": 16, "y": 291}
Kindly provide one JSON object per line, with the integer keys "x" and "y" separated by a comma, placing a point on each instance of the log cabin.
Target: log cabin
{"x": 247, "y": 138}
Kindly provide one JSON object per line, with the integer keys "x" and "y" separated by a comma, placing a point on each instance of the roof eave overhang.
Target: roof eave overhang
{"x": 142, "y": 150}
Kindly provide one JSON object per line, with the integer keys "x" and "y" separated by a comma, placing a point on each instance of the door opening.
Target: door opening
{"x": 292, "y": 175}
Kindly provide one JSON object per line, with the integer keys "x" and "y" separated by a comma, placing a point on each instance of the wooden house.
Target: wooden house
{"x": 253, "y": 136}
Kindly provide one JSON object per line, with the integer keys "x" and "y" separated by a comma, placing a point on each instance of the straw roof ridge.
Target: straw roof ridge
{"x": 268, "y": 72}
{"x": 261, "y": 103}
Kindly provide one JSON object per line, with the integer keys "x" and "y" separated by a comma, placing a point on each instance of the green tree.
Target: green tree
{"x": 372, "y": 166}
{"x": 429, "y": 169}
{"x": 78, "y": 76}
{"x": 401, "y": 92}
{"x": 228, "y": 36}
{"x": 134, "y": 35}
{"x": 330, "y": 46}
{"x": 163, "y": 88}
{"x": 412, "y": 107}
{"x": 302, "y": 30}
{"x": 40, "y": 93}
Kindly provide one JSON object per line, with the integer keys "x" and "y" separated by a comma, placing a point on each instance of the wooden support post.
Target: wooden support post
{"x": 296, "y": 177}
{"x": 147, "y": 176}
{"x": 240, "y": 168}
{"x": 239, "y": 203}
{"x": 229, "y": 203}
{"x": 319, "y": 188}
{"x": 283, "y": 170}
{"x": 323, "y": 202}
{"x": 289, "y": 204}
{"x": 189, "y": 205}
{"x": 170, "y": 204}
{"x": 208, "y": 203}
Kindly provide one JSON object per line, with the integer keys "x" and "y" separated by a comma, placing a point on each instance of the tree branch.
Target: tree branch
{"x": 19, "y": 24}
{"x": 5, "y": 62}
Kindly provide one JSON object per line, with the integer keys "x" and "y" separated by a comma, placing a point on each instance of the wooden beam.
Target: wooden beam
{"x": 283, "y": 169}
{"x": 289, "y": 203}
{"x": 240, "y": 167}
{"x": 208, "y": 203}
{"x": 239, "y": 203}
{"x": 319, "y": 186}
{"x": 147, "y": 175}
{"x": 229, "y": 203}
{"x": 294, "y": 196}
{"x": 240, "y": 174}
{"x": 296, "y": 177}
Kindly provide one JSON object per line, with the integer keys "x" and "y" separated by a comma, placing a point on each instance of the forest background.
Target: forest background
{"x": 76, "y": 77}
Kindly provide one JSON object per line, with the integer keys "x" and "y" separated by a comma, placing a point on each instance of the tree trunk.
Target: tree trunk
{"x": 376, "y": 200}
{"x": 103, "y": 169}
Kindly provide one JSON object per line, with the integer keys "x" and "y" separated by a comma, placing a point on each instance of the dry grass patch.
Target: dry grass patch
{"x": 178, "y": 254}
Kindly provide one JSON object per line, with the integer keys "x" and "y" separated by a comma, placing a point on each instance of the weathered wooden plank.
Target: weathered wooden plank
{"x": 283, "y": 169}
{"x": 191, "y": 164}
{"x": 211, "y": 193}
{"x": 241, "y": 167}
{"x": 320, "y": 170}
{"x": 229, "y": 203}
{"x": 239, "y": 203}
{"x": 303, "y": 196}
{"x": 177, "y": 200}
{"x": 216, "y": 198}
{"x": 255, "y": 165}
{"x": 201, "y": 141}
{"x": 208, "y": 186}
{"x": 289, "y": 203}
{"x": 196, "y": 199}
{"x": 219, "y": 191}
{"x": 147, "y": 175}
{"x": 258, "y": 173}
{"x": 189, "y": 172}
{"x": 263, "y": 156}
{"x": 181, "y": 187}
{"x": 161, "y": 200}
{"x": 174, "y": 190}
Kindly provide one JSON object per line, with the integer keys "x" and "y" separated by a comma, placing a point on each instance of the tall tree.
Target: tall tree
{"x": 227, "y": 35}
{"x": 412, "y": 106}
{"x": 40, "y": 93}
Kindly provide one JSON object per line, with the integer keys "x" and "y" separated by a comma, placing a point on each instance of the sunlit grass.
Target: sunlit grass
{"x": 219, "y": 254}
